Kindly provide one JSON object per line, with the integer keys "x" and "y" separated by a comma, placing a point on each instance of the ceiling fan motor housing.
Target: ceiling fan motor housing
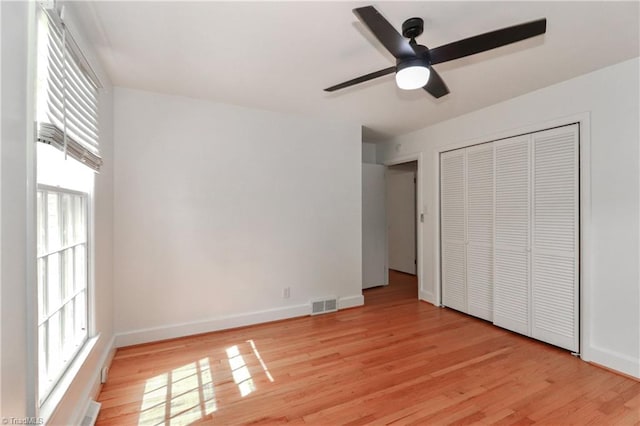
{"x": 412, "y": 62}
{"x": 412, "y": 27}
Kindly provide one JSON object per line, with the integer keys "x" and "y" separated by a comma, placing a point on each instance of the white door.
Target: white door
{"x": 401, "y": 218}
{"x": 374, "y": 226}
{"x": 452, "y": 225}
{"x": 512, "y": 224}
{"x": 554, "y": 239}
{"x": 479, "y": 207}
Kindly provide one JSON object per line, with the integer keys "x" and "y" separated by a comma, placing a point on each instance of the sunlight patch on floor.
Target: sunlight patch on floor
{"x": 262, "y": 364}
{"x": 180, "y": 396}
{"x": 187, "y": 394}
{"x": 241, "y": 374}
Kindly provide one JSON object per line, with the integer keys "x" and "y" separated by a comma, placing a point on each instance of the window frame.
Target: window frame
{"x": 43, "y": 395}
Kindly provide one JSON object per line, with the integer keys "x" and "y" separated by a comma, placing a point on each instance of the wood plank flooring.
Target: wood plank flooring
{"x": 394, "y": 361}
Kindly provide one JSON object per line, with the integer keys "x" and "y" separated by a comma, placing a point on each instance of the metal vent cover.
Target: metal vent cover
{"x": 323, "y": 306}
{"x": 91, "y": 414}
{"x": 331, "y": 305}
{"x": 317, "y": 307}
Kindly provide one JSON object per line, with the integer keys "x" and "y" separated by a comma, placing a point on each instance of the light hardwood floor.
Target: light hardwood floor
{"x": 395, "y": 360}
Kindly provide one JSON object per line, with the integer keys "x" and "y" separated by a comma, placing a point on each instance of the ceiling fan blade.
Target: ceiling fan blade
{"x": 487, "y": 41}
{"x": 361, "y": 79}
{"x": 397, "y": 45}
{"x": 436, "y": 86}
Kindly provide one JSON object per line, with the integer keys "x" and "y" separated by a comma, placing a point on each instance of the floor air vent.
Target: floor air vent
{"x": 91, "y": 414}
{"x": 324, "y": 306}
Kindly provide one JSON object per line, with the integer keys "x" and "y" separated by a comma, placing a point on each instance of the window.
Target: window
{"x": 67, "y": 157}
{"x": 62, "y": 280}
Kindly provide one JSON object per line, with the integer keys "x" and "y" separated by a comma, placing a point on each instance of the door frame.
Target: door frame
{"x": 417, "y": 157}
{"x": 584, "y": 211}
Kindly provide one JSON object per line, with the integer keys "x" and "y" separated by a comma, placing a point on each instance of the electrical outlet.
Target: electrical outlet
{"x": 286, "y": 293}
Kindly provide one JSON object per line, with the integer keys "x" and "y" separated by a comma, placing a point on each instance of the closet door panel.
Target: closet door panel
{"x": 452, "y": 200}
{"x": 453, "y": 277}
{"x": 512, "y": 193}
{"x": 511, "y": 290}
{"x": 480, "y": 199}
{"x": 512, "y": 225}
{"x": 554, "y": 247}
{"x": 480, "y": 281}
{"x": 554, "y": 304}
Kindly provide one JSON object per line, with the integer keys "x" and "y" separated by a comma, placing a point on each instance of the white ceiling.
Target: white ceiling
{"x": 280, "y": 55}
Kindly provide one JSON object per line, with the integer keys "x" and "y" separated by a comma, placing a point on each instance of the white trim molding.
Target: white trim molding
{"x": 50, "y": 409}
{"x": 616, "y": 361}
{"x": 427, "y": 296}
{"x": 350, "y": 302}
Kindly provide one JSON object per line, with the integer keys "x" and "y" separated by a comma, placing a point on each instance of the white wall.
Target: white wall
{"x": 17, "y": 266}
{"x": 610, "y": 97}
{"x": 218, "y": 208}
{"x": 13, "y": 263}
{"x": 369, "y": 153}
{"x": 374, "y": 227}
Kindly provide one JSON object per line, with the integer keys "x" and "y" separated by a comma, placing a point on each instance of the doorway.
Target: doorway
{"x": 391, "y": 217}
{"x": 402, "y": 220}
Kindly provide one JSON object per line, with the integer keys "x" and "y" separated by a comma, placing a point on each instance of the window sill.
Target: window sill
{"x": 49, "y": 406}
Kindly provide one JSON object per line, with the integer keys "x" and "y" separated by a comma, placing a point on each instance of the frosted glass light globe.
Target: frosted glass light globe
{"x": 413, "y": 77}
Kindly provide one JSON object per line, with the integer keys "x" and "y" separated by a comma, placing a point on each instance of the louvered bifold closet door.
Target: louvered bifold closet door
{"x": 554, "y": 263}
{"x": 452, "y": 220}
{"x": 480, "y": 174}
{"x": 511, "y": 255}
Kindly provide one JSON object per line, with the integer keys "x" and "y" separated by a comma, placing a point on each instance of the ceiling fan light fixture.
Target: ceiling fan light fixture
{"x": 413, "y": 74}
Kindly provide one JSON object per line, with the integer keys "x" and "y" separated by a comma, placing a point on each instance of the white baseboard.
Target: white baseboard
{"x": 427, "y": 296}
{"x": 105, "y": 361}
{"x": 172, "y": 331}
{"x": 615, "y": 361}
{"x": 350, "y": 301}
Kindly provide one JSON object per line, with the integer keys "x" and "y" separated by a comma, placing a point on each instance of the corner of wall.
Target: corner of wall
{"x": 427, "y": 296}
{"x": 614, "y": 360}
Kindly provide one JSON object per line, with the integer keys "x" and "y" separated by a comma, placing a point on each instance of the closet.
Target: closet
{"x": 509, "y": 233}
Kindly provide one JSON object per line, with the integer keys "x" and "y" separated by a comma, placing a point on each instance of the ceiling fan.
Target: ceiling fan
{"x": 414, "y": 62}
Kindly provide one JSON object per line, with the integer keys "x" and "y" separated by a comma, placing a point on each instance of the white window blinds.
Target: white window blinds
{"x": 67, "y": 104}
